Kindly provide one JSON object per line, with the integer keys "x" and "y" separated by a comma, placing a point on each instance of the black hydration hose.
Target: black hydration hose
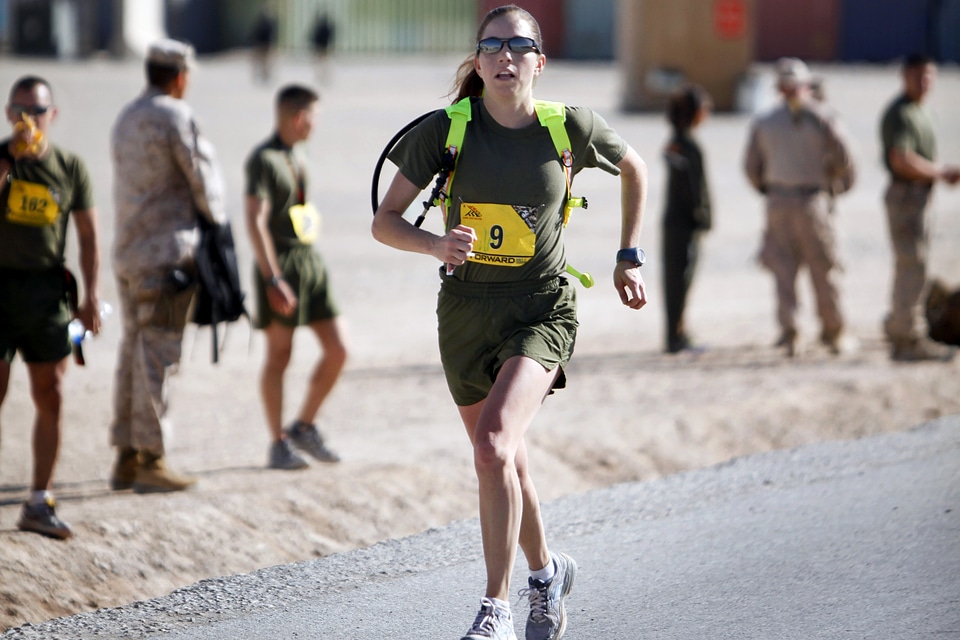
{"x": 438, "y": 185}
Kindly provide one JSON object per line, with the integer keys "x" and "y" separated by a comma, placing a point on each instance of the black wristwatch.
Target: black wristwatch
{"x": 633, "y": 254}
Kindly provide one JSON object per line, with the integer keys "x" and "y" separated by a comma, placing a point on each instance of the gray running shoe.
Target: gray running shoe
{"x": 492, "y": 623}
{"x": 282, "y": 456}
{"x": 42, "y": 518}
{"x": 548, "y": 618}
{"x": 307, "y": 438}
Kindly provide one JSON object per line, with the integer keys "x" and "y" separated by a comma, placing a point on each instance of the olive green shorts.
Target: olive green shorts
{"x": 481, "y": 326}
{"x": 33, "y": 315}
{"x": 304, "y": 271}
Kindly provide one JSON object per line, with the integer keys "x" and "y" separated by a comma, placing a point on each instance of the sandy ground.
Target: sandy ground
{"x": 630, "y": 414}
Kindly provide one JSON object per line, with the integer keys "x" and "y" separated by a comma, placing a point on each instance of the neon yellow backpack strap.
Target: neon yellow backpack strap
{"x": 553, "y": 116}
{"x": 460, "y": 113}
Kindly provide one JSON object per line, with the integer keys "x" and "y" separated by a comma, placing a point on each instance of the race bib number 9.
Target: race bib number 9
{"x": 31, "y": 204}
{"x": 506, "y": 234}
{"x": 306, "y": 222}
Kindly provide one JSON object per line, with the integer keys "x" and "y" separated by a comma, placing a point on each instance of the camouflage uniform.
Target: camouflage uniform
{"x": 907, "y": 126}
{"x": 166, "y": 174}
{"x": 800, "y": 160}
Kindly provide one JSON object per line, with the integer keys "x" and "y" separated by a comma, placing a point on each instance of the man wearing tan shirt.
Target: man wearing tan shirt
{"x": 798, "y": 157}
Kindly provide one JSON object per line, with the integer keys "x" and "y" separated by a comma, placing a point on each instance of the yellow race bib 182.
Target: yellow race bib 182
{"x": 31, "y": 204}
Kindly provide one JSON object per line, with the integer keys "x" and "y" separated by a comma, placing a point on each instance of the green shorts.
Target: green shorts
{"x": 33, "y": 315}
{"x": 481, "y": 326}
{"x": 304, "y": 271}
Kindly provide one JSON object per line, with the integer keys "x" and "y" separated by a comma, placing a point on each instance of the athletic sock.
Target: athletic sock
{"x": 546, "y": 574}
{"x": 39, "y": 497}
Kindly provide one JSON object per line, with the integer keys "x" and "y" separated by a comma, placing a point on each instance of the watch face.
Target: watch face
{"x": 635, "y": 255}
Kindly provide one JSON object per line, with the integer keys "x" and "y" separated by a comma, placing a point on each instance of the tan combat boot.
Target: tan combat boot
{"x": 153, "y": 476}
{"x": 919, "y": 350}
{"x": 125, "y": 469}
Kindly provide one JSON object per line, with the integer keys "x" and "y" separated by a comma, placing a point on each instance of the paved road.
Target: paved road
{"x": 838, "y": 540}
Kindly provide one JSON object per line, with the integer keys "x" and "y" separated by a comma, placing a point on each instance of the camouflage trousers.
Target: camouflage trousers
{"x": 906, "y": 205}
{"x": 800, "y": 233}
{"x": 154, "y": 315}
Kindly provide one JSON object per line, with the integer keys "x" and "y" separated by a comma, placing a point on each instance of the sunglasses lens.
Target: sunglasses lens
{"x": 522, "y": 45}
{"x": 489, "y": 45}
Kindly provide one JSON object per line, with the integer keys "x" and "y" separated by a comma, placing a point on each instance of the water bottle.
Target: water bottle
{"x": 78, "y": 333}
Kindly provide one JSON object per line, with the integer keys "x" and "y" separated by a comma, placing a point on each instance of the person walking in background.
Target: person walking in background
{"x": 322, "y": 38}
{"x": 799, "y": 158}
{"x": 166, "y": 175}
{"x": 909, "y": 154}
{"x": 41, "y": 187}
{"x": 506, "y": 318}
{"x": 264, "y": 39}
{"x": 293, "y": 288}
{"x": 687, "y": 215}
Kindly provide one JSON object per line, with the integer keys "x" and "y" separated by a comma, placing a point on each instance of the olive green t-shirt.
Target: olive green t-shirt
{"x": 36, "y": 201}
{"x": 906, "y": 125}
{"x": 516, "y": 167}
{"x": 277, "y": 173}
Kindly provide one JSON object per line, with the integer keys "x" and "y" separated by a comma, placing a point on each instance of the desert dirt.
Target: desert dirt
{"x": 631, "y": 413}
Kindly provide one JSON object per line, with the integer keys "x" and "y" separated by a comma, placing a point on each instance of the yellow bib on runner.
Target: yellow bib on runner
{"x": 306, "y": 222}
{"x": 506, "y": 234}
{"x": 31, "y": 204}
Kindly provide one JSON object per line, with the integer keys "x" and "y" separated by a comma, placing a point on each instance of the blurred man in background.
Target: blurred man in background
{"x": 41, "y": 187}
{"x": 909, "y": 154}
{"x": 798, "y": 158}
{"x": 166, "y": 176}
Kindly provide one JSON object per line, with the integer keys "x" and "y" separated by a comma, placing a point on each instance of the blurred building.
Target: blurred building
{"x": 659, "y": 43}
{"x": 818, "y": 30}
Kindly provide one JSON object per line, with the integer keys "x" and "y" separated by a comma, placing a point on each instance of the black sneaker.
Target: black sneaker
{"x": 307, "y": 438}
{"x": 282, "y": 456}
{"x": 42, "y": 518}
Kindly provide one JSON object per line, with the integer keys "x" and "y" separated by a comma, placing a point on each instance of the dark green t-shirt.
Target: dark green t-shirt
{"x": 516, "y": 167}
{"x": 277, "y": 173}
{"x": 36, "y": 201}
{"x": 906, "y": 125}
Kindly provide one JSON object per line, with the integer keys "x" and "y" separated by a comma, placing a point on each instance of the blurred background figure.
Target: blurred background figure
{"x": 322, "y": 38}
{"x": 264, "y": 40}
{"x": 909, "y": 153}
{"x": 797, "y": 157}
{"x": 687, "y": 215}
{"x": 291, "y": 279}
{"x": 166, "y": 175}
{"x": 41, "y": 187}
